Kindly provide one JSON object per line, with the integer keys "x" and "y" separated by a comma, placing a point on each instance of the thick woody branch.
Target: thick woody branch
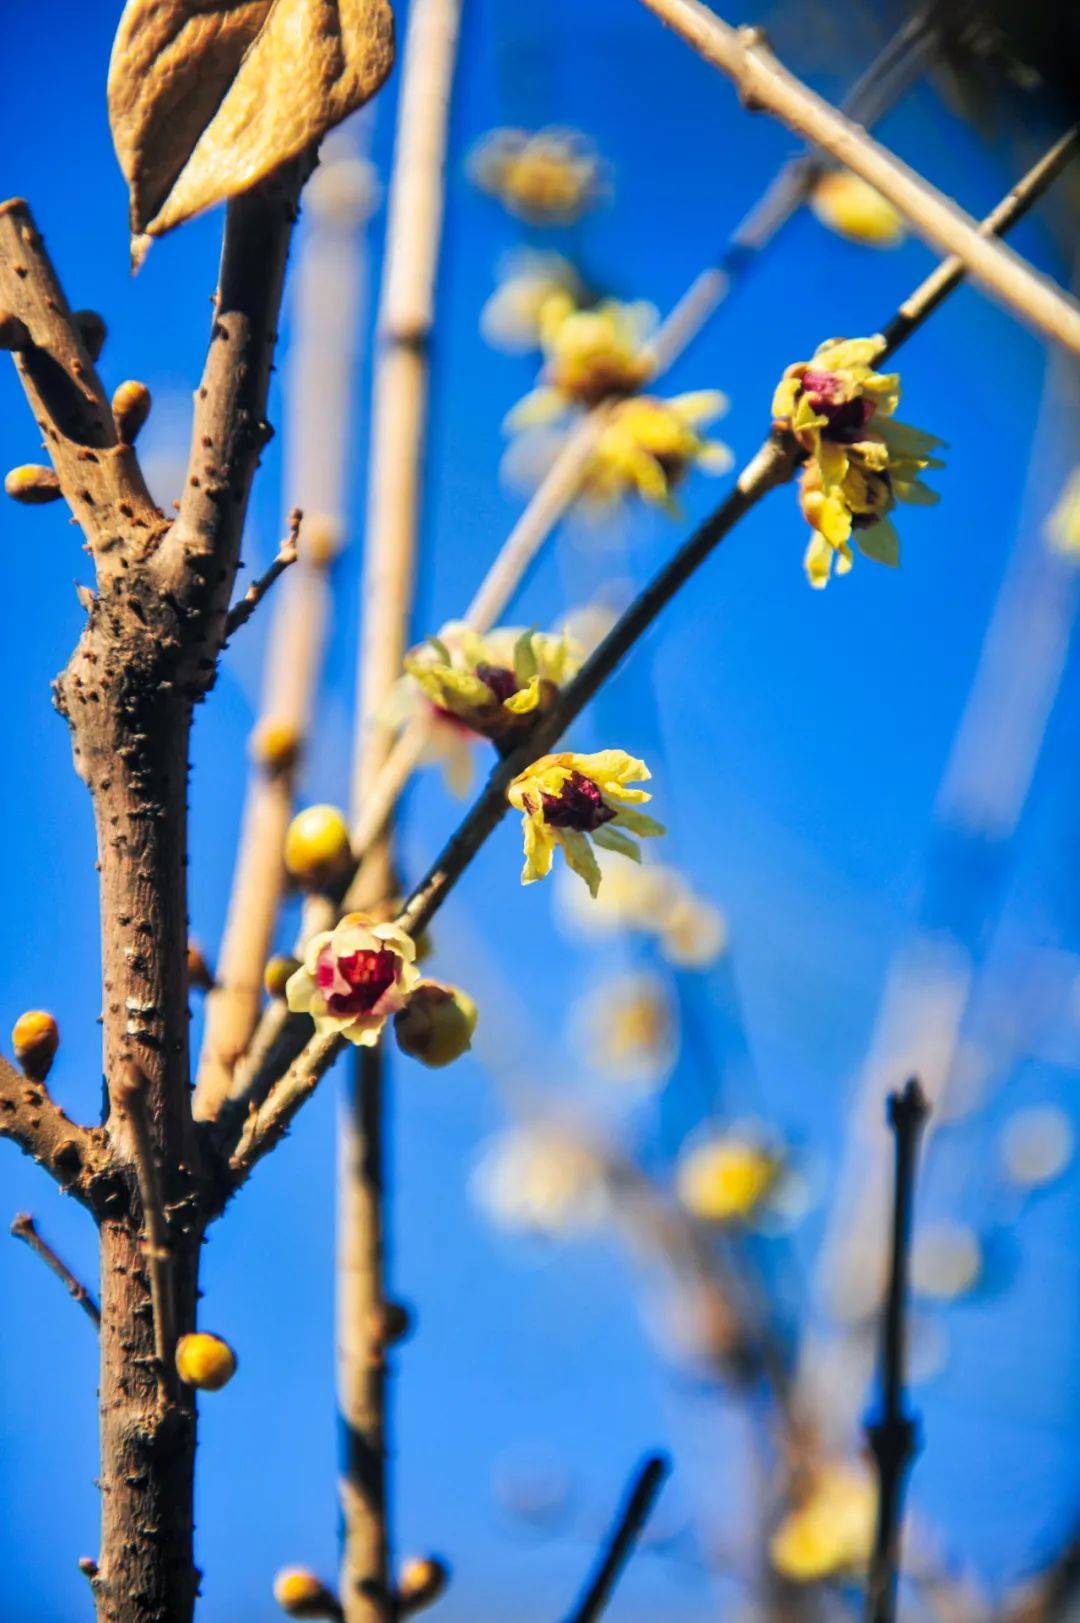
{"x": 99, "y": 476}
{"x": 287, "y": 554}
{"x": 77, "y": 1157}
{"x": 635, "y": 1512}
{"x": 131, "y": 1095}
{"x": 23, "y": 1228}
{"x": 764, "y": 84}
{"x": 774, "y": 464}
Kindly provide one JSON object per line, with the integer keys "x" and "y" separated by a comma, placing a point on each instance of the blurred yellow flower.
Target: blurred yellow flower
{"x": 1063, "y": 525}
{"x": 354, "y": 977}
{"x": 859, "y": 463}
{"x": 628, "y": 1029}
{"x": 548, "y": 177}
{"x": 726, "y": 1178}
{"x": 654, "y": 899}
{"x": 589, "y": 355}
{"x": 831, "y": 1532}
{"x": 493, "y": 685}
{"x": 535, "y": 292}
{"x": 852, "y": 208}
{"x": 567, "y": 800}
{"x": 541, "y": 1178}
{"x": 647, "y": 447}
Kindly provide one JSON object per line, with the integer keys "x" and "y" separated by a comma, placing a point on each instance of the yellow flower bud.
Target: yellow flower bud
{"x": 437, "y": 1024}
{"x": 35, "y": 1037}
{"x": 275, "y": 744}
{"x": 852, "y": 208}
{"x": 317, "y": 845}
{"x": 130, "y": 409}
{"x": 14, "y": 334}
{"x": 32, "y": 485}
{"x": 199, "y": 973}
{"x": 92, "y": 331}
{"x": 301, "y": 1593}
{"x": 277, "y": 972}
{"x": 205, "y": 1361}
{"x": 421, "y": 1581}
{"x": 725, "y": 1179}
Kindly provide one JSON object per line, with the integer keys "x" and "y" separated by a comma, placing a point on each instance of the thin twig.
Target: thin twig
{"x": 131, "y": 1096}
{"x": 287, "y": 554}
{"x": 773, "y": 464}
{"x": 763, "y": 83}
{"x": 75, "y": 1156}
{"x": 635, "y": 1512}
{"x": 23, "y": 1228}
{"x": 893, "y": 1436}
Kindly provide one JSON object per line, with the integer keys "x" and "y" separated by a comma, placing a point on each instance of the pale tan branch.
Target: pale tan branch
{"x": 287, "y": 554}
{"x": 99, "y": 477}
{"x": 77, "y": 1157}
{"x": 131, "y": 1096}
{"x": 24, "y": 1228}
{"x": 764, "y": 84}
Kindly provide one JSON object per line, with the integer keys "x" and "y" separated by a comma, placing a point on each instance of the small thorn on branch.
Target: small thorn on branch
{"x": 288, "y": 553}
{"x": 131, "y": 1097}
{"x": 635, "y": 1512}
{"x": 893, "y": 1435}
{"x": 23, "y": 1228}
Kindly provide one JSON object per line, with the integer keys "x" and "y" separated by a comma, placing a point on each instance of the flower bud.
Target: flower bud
{"x": 130, "y": 409}
{"x": 323, "y": 539}
{"x": 421, "y": 1581}
{"x": 275, "y": 744}
{"x": 388, "y": 1324}
{"x": 301, "y": 1593}
{"x": 88, "y": 1567}
{"x": 317, "y": 848}
{"x": 436, "y": 1025}
{"x": 14, "y": 334}
{"x": 35, "y": 1037}
{"x": 205, "y": 1361}
{"x": 92, "y": 331}
{"x": 199, "y": 974}
{"x": 277, "y": 972}
{"x": 32, "y": 484}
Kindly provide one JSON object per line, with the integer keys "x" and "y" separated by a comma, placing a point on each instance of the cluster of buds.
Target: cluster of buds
{"x": 492, "y": 686}
{"x": 548, "y": 177}
{"x": 354, "y": 977}
{"x": 860, "y": 461}
{"x": 571, "y": 800}
{"x": 205, "y": 1361}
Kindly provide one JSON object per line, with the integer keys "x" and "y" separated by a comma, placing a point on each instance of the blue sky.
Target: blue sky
{"x": 798, "y": 741}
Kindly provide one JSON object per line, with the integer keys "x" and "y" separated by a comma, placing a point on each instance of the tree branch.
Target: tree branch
{"x": 635, "y": 1512}
{"x": 763, "y": 83}
{"x": 893, "y": 1436}
{"x": 77, "y": 1157}
{"x": 287, "y": 554}
{"x": 131, "y": 1095}
{"x": 23, "y": 1228}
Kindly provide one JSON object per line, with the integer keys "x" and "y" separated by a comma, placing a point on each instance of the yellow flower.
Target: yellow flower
{"x": 536, "y": 291}
{"x": 652, "y": 898}
{"x": 568, "y": 799}
{"x": 1063, "y": 525}
{"x": 831, "y": 1532}
{"x": 492, "y": 685}
{"x": 648, "y": 446}
{"x": 550, "y": 177}
{"x": 860, "y": 462}
{"x": 628, "y": 1029}
{"x": 589, "y": 355}
{"x": 693, "y": 932}
{"x": 540, "y": 1178}
{"x": 354, "y": 977}
{"x": 725, "y": 1179}
{"x": 852, "y": 208}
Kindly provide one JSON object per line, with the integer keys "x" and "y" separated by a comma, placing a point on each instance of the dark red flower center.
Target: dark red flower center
{"x": 502, "y": 681}
{"x": 847, "y": 418}
{"x": 578, "y": 805}
{"x": 353, "y": 983}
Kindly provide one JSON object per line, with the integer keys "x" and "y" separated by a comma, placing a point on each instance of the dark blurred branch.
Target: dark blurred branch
{"x": 23, "y": 1228}
{"x": 622, "y": 1538}
{"x": 893, "y": 1436}
{"x": 1049, "y": 1596}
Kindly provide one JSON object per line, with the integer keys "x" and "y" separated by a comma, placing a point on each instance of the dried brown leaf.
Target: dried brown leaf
{"x": 207, "y": 98}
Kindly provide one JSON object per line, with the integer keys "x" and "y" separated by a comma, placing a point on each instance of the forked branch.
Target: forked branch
{"x": 76, "y": 1156}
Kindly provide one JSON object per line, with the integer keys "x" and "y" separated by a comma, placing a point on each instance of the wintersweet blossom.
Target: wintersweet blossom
{"x": 536, "y": 292}
{"x": 589, "y": 356}
{"x": 653, "y": 899}
{"x": 859, "y": 461}
{"x": 629, "y": 1029}
{"x": 568, "y": 800}
{"x": 831, "y": 1532}
{"x": 493, "y": 685}
{"x": 726, "y": 1178}
{"x": 354, "y": 977}
{"x": 854, "y": 209}
{"x": 648, "y": 446}
{"x": 549, "y": 177}
{"x": 541, "y": 1178}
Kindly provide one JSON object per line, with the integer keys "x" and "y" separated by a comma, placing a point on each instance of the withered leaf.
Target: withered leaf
{"x": 206, "y": 98}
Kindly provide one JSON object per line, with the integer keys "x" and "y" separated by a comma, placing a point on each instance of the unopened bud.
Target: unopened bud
{"x": 35, "y": 1037}
{"x": 199, "y": 973}
{"x": 322, "y": 539}
{"x": 422, "y": 1580}
{"x": 130, "y": 409}
{"x": 14, "y": 334}
{"x": 32, "y": 484}
{"x": 277, "y": 973}
{"x": 437, "y": 1024}
{"x": 389, "y": 1323}
{"x": 301, "y": 1593}
{"x": 92, "y": 331}
{"x": 205, "y": 1361}
{"x": 275, "y": 744}
{"x": 88, "y": 1566}
{"x": 317, "y": 849}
